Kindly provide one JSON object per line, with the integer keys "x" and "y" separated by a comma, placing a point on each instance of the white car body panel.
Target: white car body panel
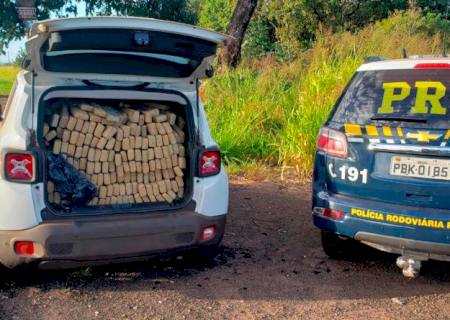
{"x": 211, "y": 194}
{"x": 41, "y": 30}
{"x": 17, "y": 211}
{"x": 399, "y": 64}
{"x": 147, "y": 24}
{"x": 22, "y": 203}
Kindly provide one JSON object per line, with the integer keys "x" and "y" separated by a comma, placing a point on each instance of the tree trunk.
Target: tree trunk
{"x": 412, "y": 4}
{"x": 237, "y": 27}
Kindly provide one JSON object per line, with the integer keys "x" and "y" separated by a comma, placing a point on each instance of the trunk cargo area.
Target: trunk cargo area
{"x": 115, "y": 154}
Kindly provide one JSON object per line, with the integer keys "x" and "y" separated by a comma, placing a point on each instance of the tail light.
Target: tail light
{"x": 432, "y": 66}
{"x": 332, "y": 142}
{"x": 329, "y": 213}
{"x": 19, "y": 167}
{"x": 208, "y": 233}
{"x": 24, "y": 248}
{"x": 209, "y": 163}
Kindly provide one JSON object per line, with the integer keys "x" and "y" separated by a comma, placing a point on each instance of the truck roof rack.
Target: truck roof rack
{"x": 375, "y": 59}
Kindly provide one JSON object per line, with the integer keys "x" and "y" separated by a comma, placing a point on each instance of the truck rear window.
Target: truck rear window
{"x": 411, "y": 97}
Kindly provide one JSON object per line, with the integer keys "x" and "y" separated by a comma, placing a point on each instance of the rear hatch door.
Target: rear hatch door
{"x": 121, "y": 48}
{"x": 397, "y": 124}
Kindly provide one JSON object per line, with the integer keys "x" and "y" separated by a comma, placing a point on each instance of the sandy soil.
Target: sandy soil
{"x": 271, "y": 267}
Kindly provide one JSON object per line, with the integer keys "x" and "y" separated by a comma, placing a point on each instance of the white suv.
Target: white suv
{"x": 107, "y": 154}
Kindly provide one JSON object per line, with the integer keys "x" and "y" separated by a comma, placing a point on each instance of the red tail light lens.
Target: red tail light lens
{"x": 332, "y": 142}
{"x": 432, "y": 66}
{"x": 208, "y": 233}
{"x": 329, "y": 213}
{"x": 209, "y": 163}
{"x": 19, "y": 167}
{"x": 24, "y": 248}
{"x": 332, "y": 214}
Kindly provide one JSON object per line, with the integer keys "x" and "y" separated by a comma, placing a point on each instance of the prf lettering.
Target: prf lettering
{"x": 427, "y": 91}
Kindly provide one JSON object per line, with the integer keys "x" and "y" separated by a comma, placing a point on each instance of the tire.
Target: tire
{"x": 339, "y": 248}
{"x": 207, "y": 253}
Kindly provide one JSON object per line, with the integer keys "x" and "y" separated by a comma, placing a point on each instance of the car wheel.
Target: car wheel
{"x": 339, "y": 248}
{"x": 204, "y": 253}
{"x": 207, "y": 253}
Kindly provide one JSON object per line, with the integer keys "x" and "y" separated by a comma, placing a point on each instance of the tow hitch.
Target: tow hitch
{"x": 410, "y": 266}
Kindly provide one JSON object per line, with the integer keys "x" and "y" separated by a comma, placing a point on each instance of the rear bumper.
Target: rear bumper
{"x": 423, "y": 250}
{"x": 88, "y": 241}
{"x": 392, "y": 228}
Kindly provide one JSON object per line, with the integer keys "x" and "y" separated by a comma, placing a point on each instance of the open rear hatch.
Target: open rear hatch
{"x": 397, "y": 124}
{"x": 136, "y": 47}
{"x": 137, "y": 153}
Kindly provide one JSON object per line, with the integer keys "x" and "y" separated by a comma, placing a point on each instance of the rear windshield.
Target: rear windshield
{"x": 124, "y": 51}
{"x": 118, "y": 63}
{"x": 418, "y": 97}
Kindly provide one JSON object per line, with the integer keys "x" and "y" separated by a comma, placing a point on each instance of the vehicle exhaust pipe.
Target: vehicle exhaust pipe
{"x": 410, "y": 266}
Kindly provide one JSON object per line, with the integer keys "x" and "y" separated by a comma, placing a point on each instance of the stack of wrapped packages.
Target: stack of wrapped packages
{"x": 132, "y": 155}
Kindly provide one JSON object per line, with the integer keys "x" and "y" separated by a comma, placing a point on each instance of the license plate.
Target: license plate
{"x": 437, "y": 169}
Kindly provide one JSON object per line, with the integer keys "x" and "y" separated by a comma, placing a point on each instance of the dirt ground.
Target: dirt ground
{"x": 271, "y": 267}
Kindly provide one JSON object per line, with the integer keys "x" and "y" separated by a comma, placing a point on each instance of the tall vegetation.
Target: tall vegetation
{"x": 287, "y": 27}
{"x": 267, "y": 111}
{"x": 7, "y": 77}
{"x": 281, "y": 26}
{"x": 216, "y": 14}
{"x": 175, "y": 10}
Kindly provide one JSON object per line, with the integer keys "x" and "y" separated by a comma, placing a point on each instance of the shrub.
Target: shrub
{"x": 267, "y": 111}
{"x": 215, "y": 14}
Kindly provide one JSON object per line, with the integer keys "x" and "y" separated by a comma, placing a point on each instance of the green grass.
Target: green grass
{"x": 269, "y": 113}
{"x": 7, "y": 77}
